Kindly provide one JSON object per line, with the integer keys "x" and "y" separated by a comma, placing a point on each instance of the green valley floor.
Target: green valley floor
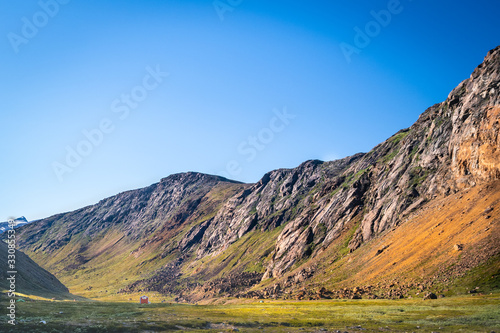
{"x": 469, "y": 313}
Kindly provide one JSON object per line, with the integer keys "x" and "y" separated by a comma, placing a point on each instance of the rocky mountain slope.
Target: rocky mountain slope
{"x": 196, "y": 236}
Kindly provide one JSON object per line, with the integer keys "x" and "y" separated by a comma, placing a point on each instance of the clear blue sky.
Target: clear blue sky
{"x": 67, "y": 70}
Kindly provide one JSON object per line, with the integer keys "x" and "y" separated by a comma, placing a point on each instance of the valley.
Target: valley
{"x": 457, "y": 314}
{"x": 361, "y": 240}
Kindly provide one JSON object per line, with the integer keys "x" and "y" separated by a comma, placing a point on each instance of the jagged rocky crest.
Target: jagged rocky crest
{"x": 187, "y": 219}
{"x": 453, "y": 145}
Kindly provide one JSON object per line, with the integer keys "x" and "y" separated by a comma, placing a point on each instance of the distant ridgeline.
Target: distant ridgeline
{"x": 20, "y": 221}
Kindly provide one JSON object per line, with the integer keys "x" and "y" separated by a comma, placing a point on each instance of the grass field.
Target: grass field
{"x": 454, "y": 314}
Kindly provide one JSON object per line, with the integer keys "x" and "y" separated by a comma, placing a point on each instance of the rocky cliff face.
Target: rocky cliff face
{"x": 279, "y": 197}
{"x": 293, "y": 215}
{"x": 453, "y": 145}
{"x": 136, "y": 214}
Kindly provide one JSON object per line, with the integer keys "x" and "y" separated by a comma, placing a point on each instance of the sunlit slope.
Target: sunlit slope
{"x": 450, "y": 246}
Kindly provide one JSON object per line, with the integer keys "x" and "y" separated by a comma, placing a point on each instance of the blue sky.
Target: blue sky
{"x": 236, "y": 88}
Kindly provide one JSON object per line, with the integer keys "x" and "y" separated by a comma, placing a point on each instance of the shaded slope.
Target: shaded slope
{"x": 30, "y": 278}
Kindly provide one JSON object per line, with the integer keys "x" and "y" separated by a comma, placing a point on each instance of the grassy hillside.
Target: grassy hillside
{"x": 101, "y": 264}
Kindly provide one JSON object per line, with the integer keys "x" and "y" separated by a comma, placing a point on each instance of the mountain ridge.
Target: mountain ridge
{"x": 180, "y": 235}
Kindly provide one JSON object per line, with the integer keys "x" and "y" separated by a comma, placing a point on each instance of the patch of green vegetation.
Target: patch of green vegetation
{"x": 320, "y": 231}
{"x": 462, "y": 90}
{"x": 438, "y": 121}
{"x": 347, "y": 180}
{"x": 389, "y": 157}
{"x": 318, "y": 236}
{"x": 360, "y": 173}
{"x": 394, "y": 146}
{"x": 258, "y": 247}
{"x": 294, "y": 211}
{"x": 279, "y": 184}
{"x": 417, "y": 176}
{"x": 485, "y": 276}
{"x": 414, "y": 152}
{"x": 336, "y": 191}
{"x": 317, "y": 187}
{"x": 352, "y": 178}
{"x": 344, "y": 248}
{"x": 398, "y": 137}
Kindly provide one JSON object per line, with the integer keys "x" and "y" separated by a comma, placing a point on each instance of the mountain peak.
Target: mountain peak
{"x": 193, "y": 176}
{"x": 493, "y": 53}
